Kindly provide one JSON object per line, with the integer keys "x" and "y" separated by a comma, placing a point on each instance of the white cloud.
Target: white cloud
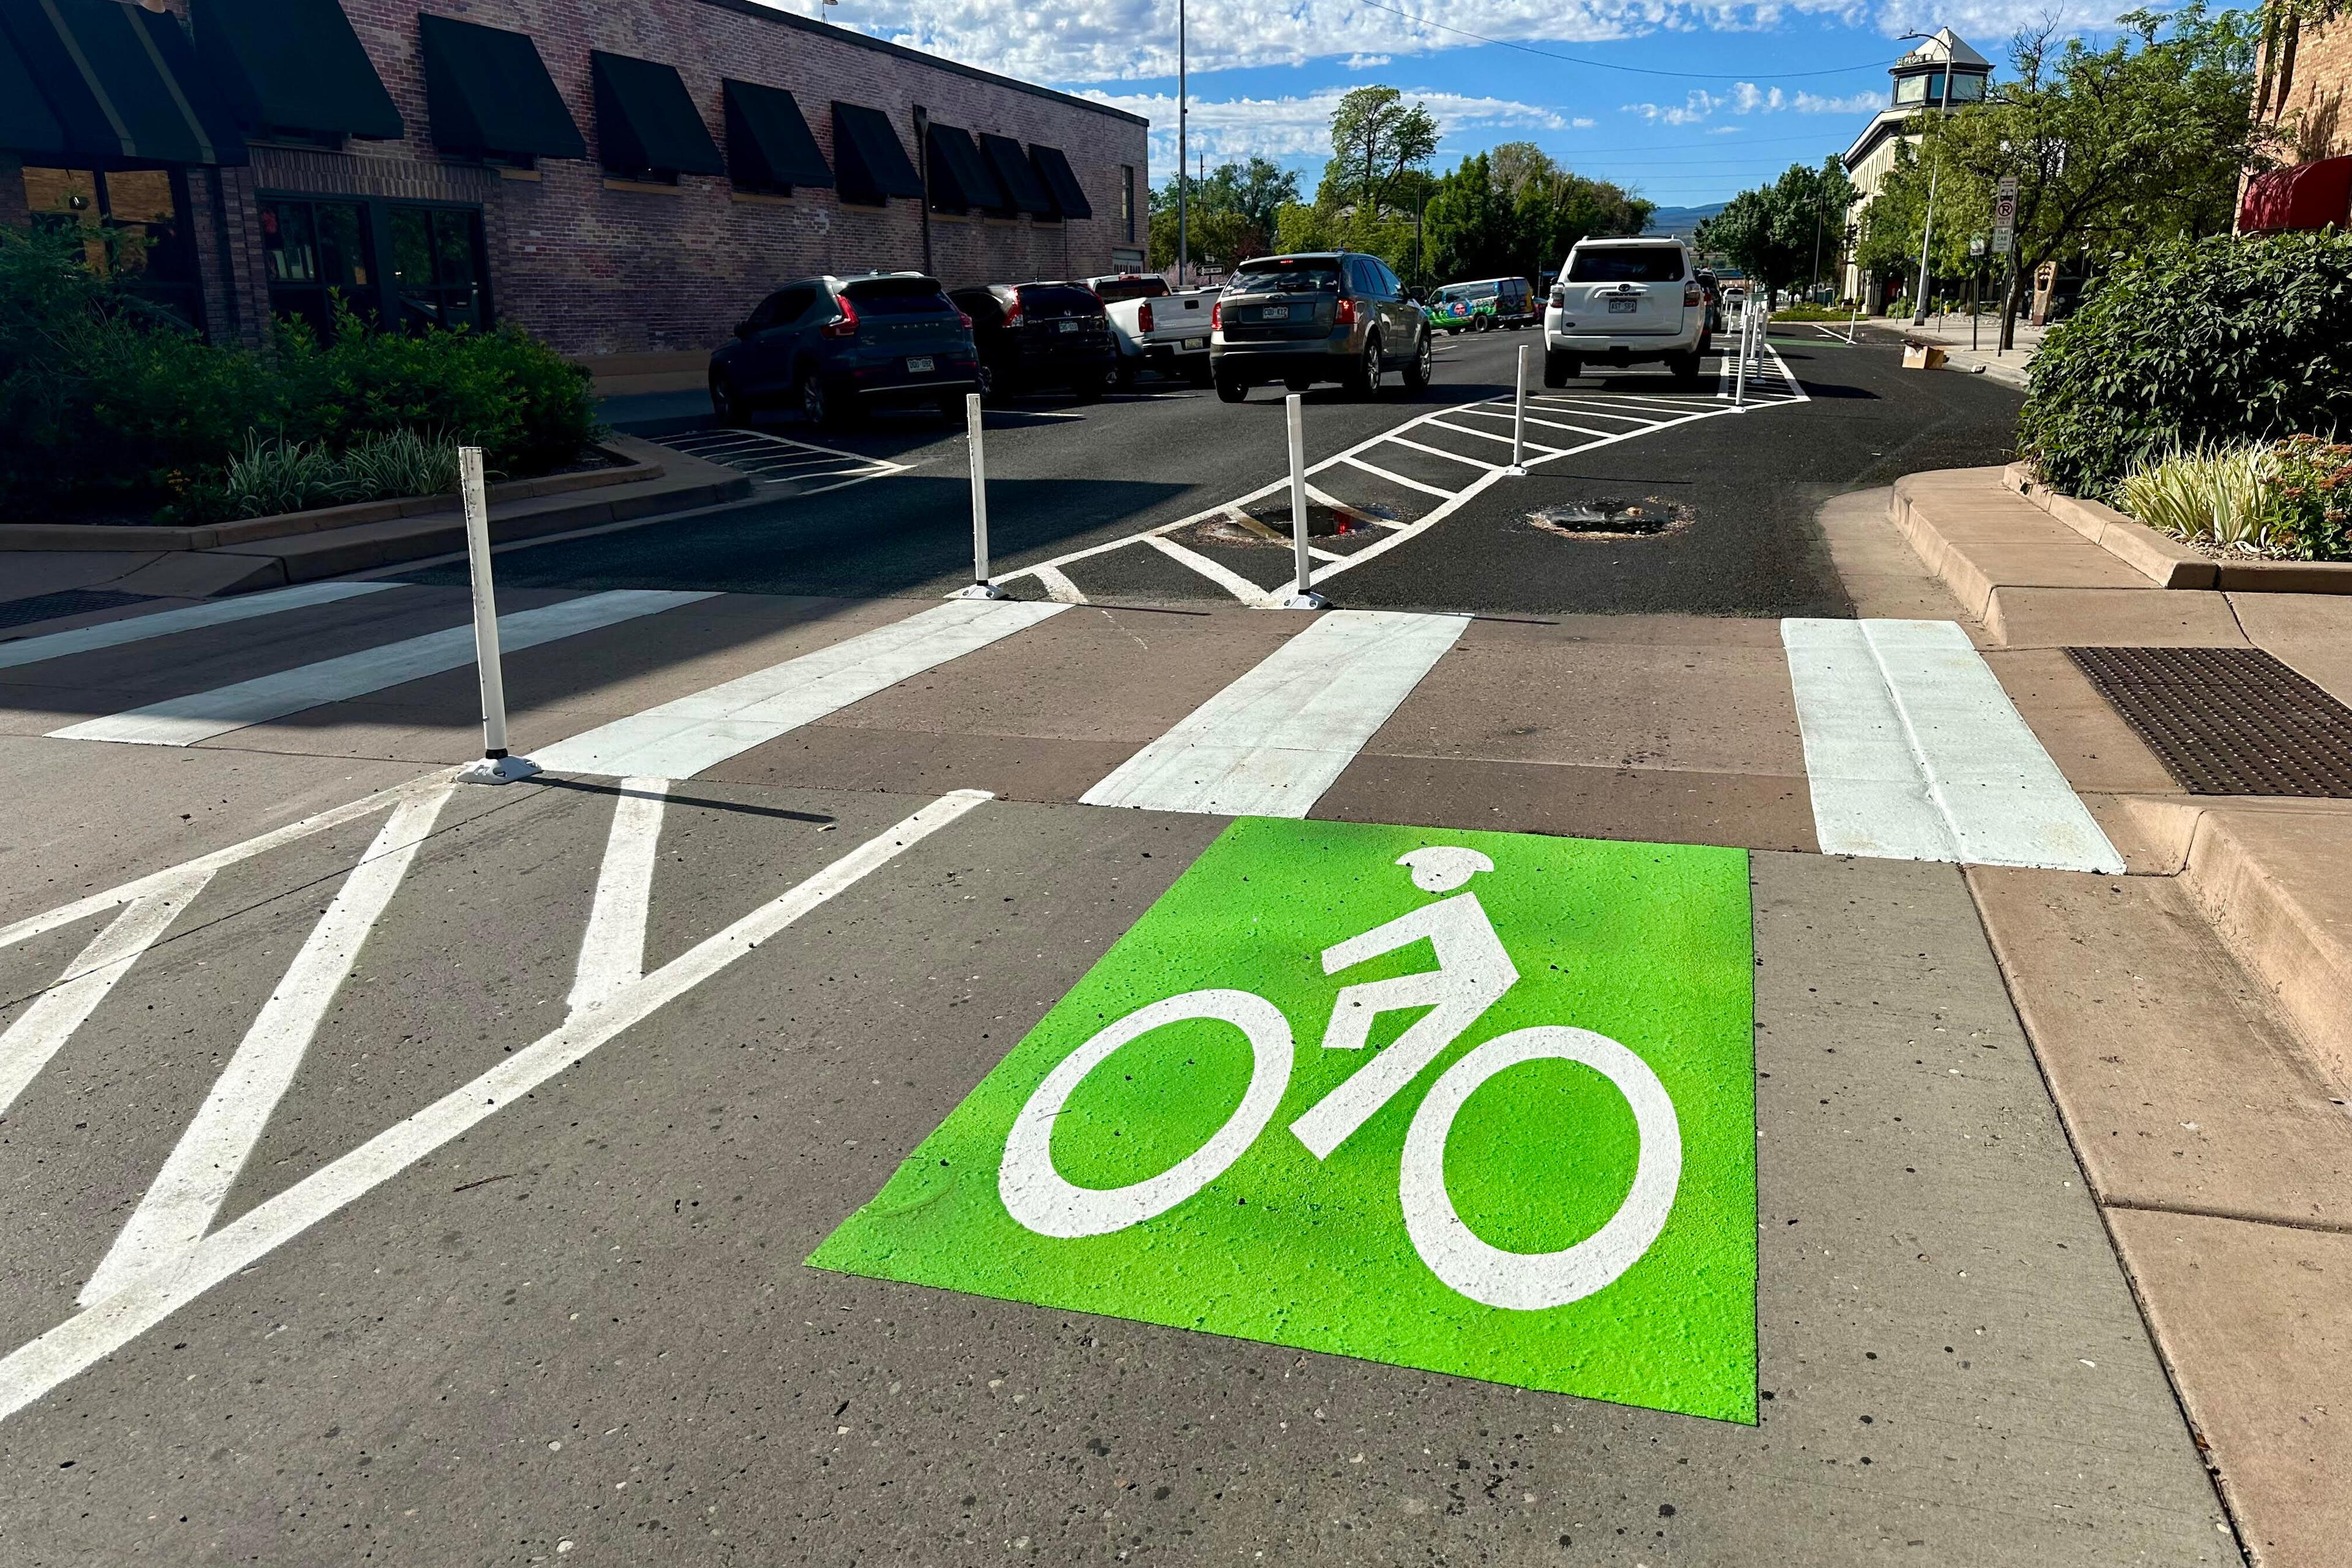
{"x": 1238, "y": 128}
{"x": 1748, "y": 98}
{"x": 1365, "y": 62}
{"x": 1582, "y": 123}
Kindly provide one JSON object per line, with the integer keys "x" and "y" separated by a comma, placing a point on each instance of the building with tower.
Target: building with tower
{"x": 1942, "y": 74}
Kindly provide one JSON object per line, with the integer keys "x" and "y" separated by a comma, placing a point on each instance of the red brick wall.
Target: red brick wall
{"x": 2314, "y": 110}
{"x": 598, "y": 271}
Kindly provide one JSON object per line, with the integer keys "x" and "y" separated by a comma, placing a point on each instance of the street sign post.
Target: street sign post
{"x": 1266, "y": 1113}
{"x": 2004, "y": 215}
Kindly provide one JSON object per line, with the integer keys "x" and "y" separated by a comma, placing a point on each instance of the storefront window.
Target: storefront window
{"x": 315, "y": 251}
{"x": 129, "y": 223}
{"x": 435, "y": 267}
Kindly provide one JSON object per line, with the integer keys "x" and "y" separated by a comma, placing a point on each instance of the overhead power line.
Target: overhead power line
{"x": 1611, "y": 66}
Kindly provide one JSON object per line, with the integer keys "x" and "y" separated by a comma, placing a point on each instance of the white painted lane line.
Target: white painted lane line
{"x": 1058, "y": 587}
{"x": 1592, "y": 409}
{"x": 1216, "y": 572}
{"x": 1380, "y": 473}
{"x": 106, "y": 1326}
{"x": 1869, "y": 798}
{"x": 191, "y": 618}
{"x": 42, "y": 1028}
{"x": 678, "y": 740}
{"x": 612, "y": 951}
{"x": 1493, "y": 436}
{"x": 187, "y": 1191}
{"x": 1502, "y": 411}
{"x": 200, "y": 716}
{"x": 1914, "y": 752}
{"x": 1274, "y": 740}
{"x": 1441, "y": 452}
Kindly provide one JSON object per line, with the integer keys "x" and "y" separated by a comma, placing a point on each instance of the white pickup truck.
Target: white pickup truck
{"x": 1157, "y": 328}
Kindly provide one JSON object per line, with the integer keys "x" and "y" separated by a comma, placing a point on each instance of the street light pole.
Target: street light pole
{"x": 1183, "y": 239}
{"x": 1927, "y": 224}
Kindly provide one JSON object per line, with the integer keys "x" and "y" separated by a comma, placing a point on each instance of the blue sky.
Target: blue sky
{"x": 1754, "y": 87}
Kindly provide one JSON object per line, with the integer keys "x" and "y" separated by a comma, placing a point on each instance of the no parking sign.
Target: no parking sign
{"x": 1480, "y": 1103}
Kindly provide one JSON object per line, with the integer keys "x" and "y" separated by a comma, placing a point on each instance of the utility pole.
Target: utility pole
{"x": 1927, "y": 224}
{"x": 1184, "y": 174}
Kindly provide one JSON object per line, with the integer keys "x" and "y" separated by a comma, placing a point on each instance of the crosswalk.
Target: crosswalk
{"x": 1911, "y": 749}
{"x": 1383, "y": 493}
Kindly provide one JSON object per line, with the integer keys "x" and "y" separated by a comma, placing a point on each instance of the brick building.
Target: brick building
{"x": 624, "y": 178}
{"x": 2305, "y": 73}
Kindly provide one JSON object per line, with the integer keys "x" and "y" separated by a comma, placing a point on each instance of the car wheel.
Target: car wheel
{"x": 1231, "y": 389}
{"x": 1422, "y": 368}
{"x": 1296, "y": 384}
{"x": 1364, "y": 380}
{"x": 1199, "y": 374}
{"x": 1685, "y": 368}
{"x": 819, "y": 406}
{"x": 1560, "y": 368}
{"x": 950, "y": 407}
{"x": 1089, "y": 388}
{"x": 1123, "y": 375}
{"x": 992, "y": 385}
{"x": 727, "y": 408}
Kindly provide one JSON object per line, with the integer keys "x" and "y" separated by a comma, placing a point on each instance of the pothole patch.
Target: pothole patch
{"x": 1608, "y": 517}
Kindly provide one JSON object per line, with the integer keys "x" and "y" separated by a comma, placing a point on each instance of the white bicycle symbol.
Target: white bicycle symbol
{"x": 1471, "y": 974}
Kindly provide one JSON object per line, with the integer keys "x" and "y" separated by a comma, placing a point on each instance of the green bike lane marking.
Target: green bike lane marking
{"x": 1561, "y": 1197}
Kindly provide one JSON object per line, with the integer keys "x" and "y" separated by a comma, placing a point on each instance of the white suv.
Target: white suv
{"x": 1625, "y": 302}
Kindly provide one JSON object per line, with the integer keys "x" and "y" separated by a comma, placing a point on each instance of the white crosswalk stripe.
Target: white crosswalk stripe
{"x": 202, "y": 715}
{"x": 188, "y": 618}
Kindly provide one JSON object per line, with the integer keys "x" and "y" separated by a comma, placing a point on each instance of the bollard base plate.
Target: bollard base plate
{"x": 1515, "y": 471}
{"x": 982, "y": 591}
{"x": 499, "y": 770}
{"x": 1309, "y": 599}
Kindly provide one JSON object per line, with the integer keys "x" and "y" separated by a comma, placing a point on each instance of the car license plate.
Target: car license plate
{"x": 1196, "y": 343}
{"x": 920, "y": 366}
{"x": 1274, "y": 312}
{"x": 1623, "y": 307}
{"x": 1065, "y": 326}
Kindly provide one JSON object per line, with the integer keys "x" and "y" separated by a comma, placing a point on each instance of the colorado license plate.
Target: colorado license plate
{"x": 1274, "y": 312}
{"x": 1065, "y": 326}
{"x": 1623, "y": 307}
{"x": 918, "y": 366}
{"x": 1196, "y": 343}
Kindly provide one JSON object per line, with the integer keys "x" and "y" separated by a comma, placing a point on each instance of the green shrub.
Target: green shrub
{"x": 2220, "y": 498}
{"x": 2194, "y": 343}
{"x": 2310, "y": 507}
{"x": 271, "y": 476}
{"x": 403, "y": 463}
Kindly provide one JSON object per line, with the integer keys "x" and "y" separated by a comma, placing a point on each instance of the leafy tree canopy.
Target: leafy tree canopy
{"x": 1777, "y": 234}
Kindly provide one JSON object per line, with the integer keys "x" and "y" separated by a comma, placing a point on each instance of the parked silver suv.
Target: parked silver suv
{"x": 1329, "y": 316}
{"x": 1626, "y": 301}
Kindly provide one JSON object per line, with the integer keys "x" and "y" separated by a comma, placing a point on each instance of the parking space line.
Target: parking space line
{"x": 187, "y": 1193}
{"x": 188, "y": 618}
{"x": 200, "y": 716}
{"x": 31, "y": 1371}
{"x": 1271, "y": 742}
{"x": 678, "y": 739}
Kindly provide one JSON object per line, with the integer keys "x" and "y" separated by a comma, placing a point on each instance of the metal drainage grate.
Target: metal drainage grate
{"x": 2228, "y": 721}
{"x": 73, "y": 602}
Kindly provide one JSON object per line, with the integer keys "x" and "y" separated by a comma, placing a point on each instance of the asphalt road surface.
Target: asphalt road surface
{"x": 941, "y": 1081}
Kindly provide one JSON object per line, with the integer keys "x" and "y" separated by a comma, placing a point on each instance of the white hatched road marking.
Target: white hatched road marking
{"x": 188, "y": 618}
{"x": 201, "y": 715}
{"x": 774, "y": 462}
{"x": 107, "y": 1324}
{"x": 1270, "y": 743}
{"x": 1642, "y": 413}
{"x": 613, "y": 953}
{"x": 1913, "y": 751}
{"x": 680, "y": 738}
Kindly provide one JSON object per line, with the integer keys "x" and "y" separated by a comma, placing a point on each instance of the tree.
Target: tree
{"x": 2114, "y": 149}
{"x": 1231, "y": 211}
{"x": 1375, "y": 138}
{"x": 1779, "y": 233}
{"x": 1512, "y": 211}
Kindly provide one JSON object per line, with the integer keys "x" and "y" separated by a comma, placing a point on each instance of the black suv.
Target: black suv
{"x": 1328, "y": 316}
{"x": 836, "y": 347}
{"x": 1040, "y": 334}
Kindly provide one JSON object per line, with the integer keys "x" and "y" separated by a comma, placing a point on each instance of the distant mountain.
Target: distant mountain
{"x": 1680, "y": 221}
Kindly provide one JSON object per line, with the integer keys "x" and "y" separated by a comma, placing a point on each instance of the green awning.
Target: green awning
{"x": 646, "y": 119}
{"x": 27, "y": 124}
{"x": 1011, "y": 168}
{"x": 1069, "y": 196}
{"x": 769, "y": 147}
{"x": 869, "y": 163}
{"x": 294, "y": 66}
{"x": 960, "y": 176}
{"x": 489, "y": 95}
{"x": 122, "y": 83}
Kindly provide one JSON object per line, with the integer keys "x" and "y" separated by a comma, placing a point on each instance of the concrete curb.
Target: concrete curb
{"x": 2260, "y": 878}
{"x": 2168, "y": 563}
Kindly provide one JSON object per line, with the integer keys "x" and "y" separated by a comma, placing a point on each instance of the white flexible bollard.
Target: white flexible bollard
{"x": 1739, "y": 374}
{"x": 496, "y": 767}
{"x": 1519, "y": 468}
{"x": 1303, "y": 595}
{"x": 981, "y": 588}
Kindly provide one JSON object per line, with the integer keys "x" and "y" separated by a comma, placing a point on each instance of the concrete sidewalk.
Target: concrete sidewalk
{"x": 2189, "y": 1017}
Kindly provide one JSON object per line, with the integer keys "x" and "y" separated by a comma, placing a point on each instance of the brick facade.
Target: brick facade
{"x": 2317, "y": 75}
{"x": 597, "y": 270}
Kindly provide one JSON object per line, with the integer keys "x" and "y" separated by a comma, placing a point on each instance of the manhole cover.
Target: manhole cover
{"x": 1608, "y": 518}
{"x": 2228, "y": 721}
{"x": 1323, "y": 520}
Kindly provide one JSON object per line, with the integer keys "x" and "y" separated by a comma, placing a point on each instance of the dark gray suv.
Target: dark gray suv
{"x": 1329, "y": 316}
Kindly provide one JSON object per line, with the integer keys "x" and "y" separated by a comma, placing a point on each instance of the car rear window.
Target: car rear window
{"x": 1116, "y": 290}
{"x": 1468, "y": 291}
{"x": 901, "y": 297}
{"x": 1287, "y": 278}
{"x": 1059, "y": 299}
{"x": 1627, "y": 264}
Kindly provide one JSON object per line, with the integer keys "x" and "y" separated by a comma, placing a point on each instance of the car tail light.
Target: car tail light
{"x": 1013, "y": 312}
{"x": 1343, "y": 314}
{"x": 963, "y": 320}
{"x": 1559, "y": 296}
{"x": 1143, "y": 317}
{"x": 1693, "y": 294}
{"x": 845, "y": 325}
{"x": 1216, "y": 315}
